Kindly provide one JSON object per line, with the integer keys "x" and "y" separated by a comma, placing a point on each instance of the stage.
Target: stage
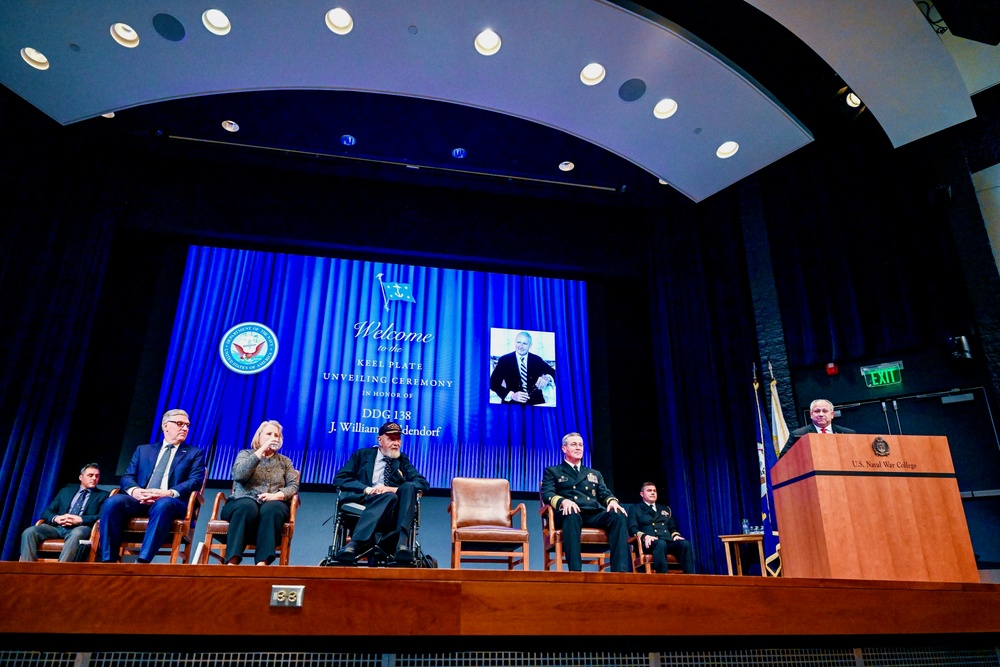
{"x": 94, "y": 606}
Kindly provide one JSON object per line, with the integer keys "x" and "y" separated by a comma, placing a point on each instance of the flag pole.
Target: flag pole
{"x": 385, "y": 301}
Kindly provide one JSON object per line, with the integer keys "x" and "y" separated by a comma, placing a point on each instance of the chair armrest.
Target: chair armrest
{"x": 295, "y": 506}
{"x": 637, "y": 542}
{"x": 520, "y": 509}
{"x": 220, "y": 501}
{"x": 454, "y": 516}
{"x": 40, "y": 522}
{"x": 195, "y": 501}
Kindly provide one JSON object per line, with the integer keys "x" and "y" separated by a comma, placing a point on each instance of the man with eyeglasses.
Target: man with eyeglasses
{"x": 821, "y": 414}
{"x": 158, "y": 482}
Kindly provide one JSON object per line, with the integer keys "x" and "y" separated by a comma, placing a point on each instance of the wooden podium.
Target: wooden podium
{"x": 850, "y": 508}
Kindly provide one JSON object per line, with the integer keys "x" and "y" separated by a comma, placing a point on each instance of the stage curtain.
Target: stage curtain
{"x": 863, "y": 258}
{"x": 53, "y": 249}
{"x": 705, "y": 346}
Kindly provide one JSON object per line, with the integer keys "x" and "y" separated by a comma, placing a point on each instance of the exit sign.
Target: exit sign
{"x": 883, "y": 374}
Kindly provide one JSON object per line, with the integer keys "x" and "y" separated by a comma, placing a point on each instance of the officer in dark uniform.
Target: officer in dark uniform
{"x": 654, "y": 524}
{"x": 582, "y": 499}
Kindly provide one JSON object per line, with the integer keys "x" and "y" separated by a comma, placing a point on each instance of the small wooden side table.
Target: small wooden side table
{"x": 732, "y": 543}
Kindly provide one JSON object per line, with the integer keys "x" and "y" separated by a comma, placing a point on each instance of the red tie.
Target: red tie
{"x": 823, "y": 430}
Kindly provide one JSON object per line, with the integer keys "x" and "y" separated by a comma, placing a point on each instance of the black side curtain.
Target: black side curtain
{"x": 58, "y": 206}
{"x": 705, "y": 346}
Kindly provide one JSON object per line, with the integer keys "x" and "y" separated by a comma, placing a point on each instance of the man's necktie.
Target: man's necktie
{"x": 576, "y": 469}
{"x": 156, "y": 480}
{"x": 387, "y": 472}
{"x": 79, "y": 501}
{"x": 823, "y": 430}
{"x": 523, "y": 365}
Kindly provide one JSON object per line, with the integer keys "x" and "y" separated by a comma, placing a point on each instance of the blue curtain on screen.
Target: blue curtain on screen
{"x": 340, "y": 371}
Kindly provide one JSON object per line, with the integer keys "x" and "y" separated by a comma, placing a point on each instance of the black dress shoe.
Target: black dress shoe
{"x": 403, "y": 554}
{"x": 348, "y": 553}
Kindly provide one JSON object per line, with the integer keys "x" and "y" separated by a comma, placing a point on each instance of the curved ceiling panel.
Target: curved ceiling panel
{"x": 423, "y": 50}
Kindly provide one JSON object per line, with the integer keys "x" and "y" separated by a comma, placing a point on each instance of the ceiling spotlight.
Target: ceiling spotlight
{"x": 566, "y": 166}
{"x": 727, "y": 149}
{"x": 348, "y": 140}
{"x": 216, "y": 22}
{"x": 458, "y": 153}
{"x": 34, "y": 58}
{"x": 853, "y": 100}
{"x": 592, "y": 74}
{"x": 124, "y": 35}
{"x": 488, "y": 42}
{"x": 110, "y": 114}
{"x": 230, "y": 126}
{"x": 662, "y": 182}
{"x": 339, "y": 21}
{"x": 665, "y": 108}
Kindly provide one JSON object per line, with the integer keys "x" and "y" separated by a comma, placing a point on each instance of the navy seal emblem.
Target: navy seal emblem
{"x": 248, "y": 348}
{"x": 880, "y": 446}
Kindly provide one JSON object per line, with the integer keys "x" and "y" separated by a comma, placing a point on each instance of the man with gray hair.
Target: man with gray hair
{"x": 821, "y": 413}
{"x": 158, "y": 482}
{"x": 580, "y": 498}
{"x": 520, "y": 376}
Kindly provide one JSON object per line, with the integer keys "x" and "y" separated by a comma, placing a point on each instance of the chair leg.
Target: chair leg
{"x": 559, "y": 557}
{"x": 524, "y": 561}
{"x": 456, "y": 556}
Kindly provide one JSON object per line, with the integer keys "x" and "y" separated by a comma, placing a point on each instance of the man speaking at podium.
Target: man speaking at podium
{"x": 821, "y": 413}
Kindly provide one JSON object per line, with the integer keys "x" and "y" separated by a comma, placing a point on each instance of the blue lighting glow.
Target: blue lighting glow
{"x": 348, "y": 140}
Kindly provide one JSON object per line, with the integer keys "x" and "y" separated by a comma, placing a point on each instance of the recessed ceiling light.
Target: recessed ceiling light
{"x": 665, "y": 108}
{"x": 662, "y": 182}
{"x": 124, "y": 35}
{"x": 339, "y": 21}
{"x": 853, "y": 100}
{"x": 348, "y": 140}
{"x": 34, "y": 58}
{"x": 566, "y": 166}
{"x": 110, "y": 114}
{"x": 728, "y": 149}
{"x": 488, "y": 42}
{"x": 458, "y": 153}
{"x": 216, "y": 22}
{"x": 230, "y": 126}
{"x": 592, "y": 74}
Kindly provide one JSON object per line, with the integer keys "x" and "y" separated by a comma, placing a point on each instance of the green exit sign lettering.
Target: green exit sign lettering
{"x": 883, "y": 375}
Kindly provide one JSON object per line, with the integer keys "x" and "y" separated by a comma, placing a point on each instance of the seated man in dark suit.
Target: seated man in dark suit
{"x": 654, "y": 524}
{"x": 582, "y": 499}
{"x": 158, "y": 482}
{"x": 821, "y": 413}
{"x": 520, "y": 376}
{"x": 69, "y": 517}
{"x": 386, "y": 483}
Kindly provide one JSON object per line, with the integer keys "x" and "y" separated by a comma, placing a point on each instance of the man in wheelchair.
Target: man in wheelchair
{"x": 384, "y": 481}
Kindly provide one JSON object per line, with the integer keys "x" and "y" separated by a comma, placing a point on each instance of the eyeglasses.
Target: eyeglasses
{"x": 179, "y": 424}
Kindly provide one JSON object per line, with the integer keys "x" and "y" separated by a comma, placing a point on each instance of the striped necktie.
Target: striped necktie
{"x": 523, "y": 365}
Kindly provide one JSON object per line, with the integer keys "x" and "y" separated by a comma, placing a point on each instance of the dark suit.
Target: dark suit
{"x": 384, "y": 512}
{"x": 186, "y": 476}
{"x": 806, "y": 430}
{"x": 644, "y": 520}
{"x": 35, "y": 535}
{"x": 506, "y": 377}
{"x": 587, "y": 489}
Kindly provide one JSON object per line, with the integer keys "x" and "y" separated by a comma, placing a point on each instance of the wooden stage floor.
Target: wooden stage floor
{"x": 46, "y": 605}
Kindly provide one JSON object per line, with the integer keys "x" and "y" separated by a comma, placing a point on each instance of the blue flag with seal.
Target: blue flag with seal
{"x": 770, "y": 437}
{"x": 394, "y": 291}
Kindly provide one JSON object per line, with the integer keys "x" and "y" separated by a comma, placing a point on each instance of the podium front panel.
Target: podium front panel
{"x": 850, "y": 508}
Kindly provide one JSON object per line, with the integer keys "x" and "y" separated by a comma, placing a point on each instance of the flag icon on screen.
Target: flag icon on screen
{"x": 394, "y": 291}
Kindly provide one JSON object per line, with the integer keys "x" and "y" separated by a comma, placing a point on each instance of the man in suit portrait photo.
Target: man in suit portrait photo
{"x": 157, "y": 483}
{"x": 384, "y": 481}
{"x": 821, "y": 414}
{"x": 70, "y": 517}
{"x": 520, "y": 376}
